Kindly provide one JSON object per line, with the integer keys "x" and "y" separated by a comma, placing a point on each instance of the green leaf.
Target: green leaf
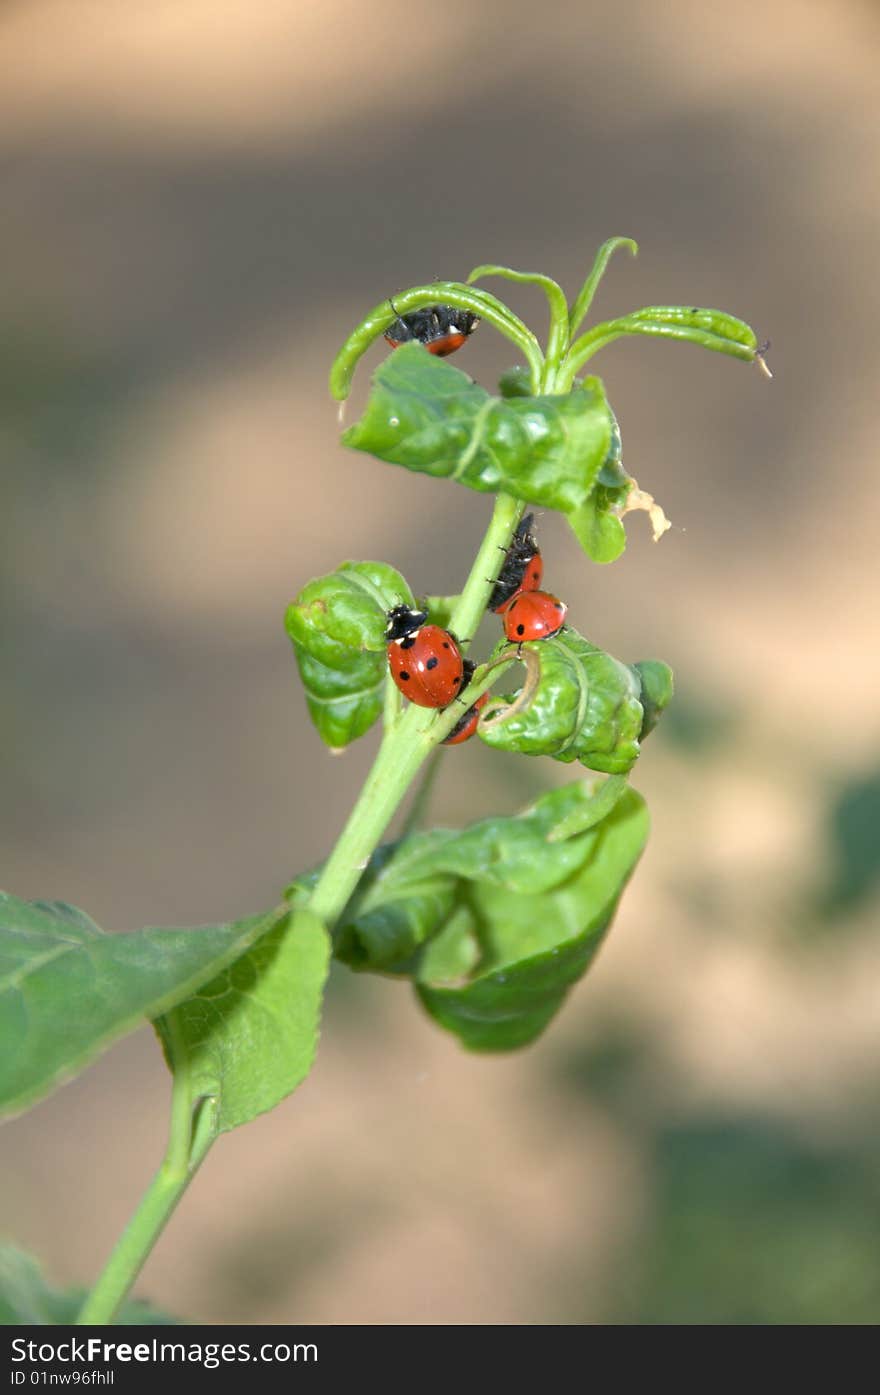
{"x": 597, "y": 524}
{"x": 494, "y": 922}
{"x": 515, "y": 382}
{"x": 67, "y": 990}
{"x": 337, "y": 628}
{"x": 410, "y": 888}
{"x": 709, "y": 329}
{"x": 657, "y": 685}
{"x": 582, "y": 705}
{"x": 425, "y": 414}
{"x": 534, "y": 945}
{"x": 558, "y": 336}
{"x": 248, "y": 1037}
{"x": 27, "y": 1299}
{"x": 584, "y": 299}
{"x": 401, "y": 901}
{"x": 599, "y": 531}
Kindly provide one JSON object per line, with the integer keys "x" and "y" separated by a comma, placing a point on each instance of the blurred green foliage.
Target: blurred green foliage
{"x": 852, "y": 823}
{"x": 743, "y": 1218}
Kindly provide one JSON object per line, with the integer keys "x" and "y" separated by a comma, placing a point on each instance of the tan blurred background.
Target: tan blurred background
{"x": 200, "y": 200}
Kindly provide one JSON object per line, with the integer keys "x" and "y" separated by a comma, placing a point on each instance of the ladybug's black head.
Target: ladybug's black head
{"x": 403, "y": 621}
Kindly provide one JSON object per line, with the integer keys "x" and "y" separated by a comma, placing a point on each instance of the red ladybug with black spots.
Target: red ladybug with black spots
{"x": 467, "y": 722}
{"x": 425, "y": 661}
{"x": 441, "y": 328}
{"x": 522, "y": 568}
{"x": 533, "y": 615}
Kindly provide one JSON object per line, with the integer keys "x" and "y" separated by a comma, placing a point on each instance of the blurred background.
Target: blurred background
{"x": 201, "y": 200}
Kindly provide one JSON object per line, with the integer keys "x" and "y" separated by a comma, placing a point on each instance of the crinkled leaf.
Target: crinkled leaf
{"x": 599, "y": 531}
{"x": 337, "y": 625}
{"x": 425, "y": 414}
{"x": 27, "y": 1299}
{"x": 411, "y": 888}
{"x": 249, "y": 1036}
{"x": 67, "y": 989}
{"x": 534, "y": 945}
{"x": 597, "y": 524}
{"x": 585, "y": 706}
{"x": 495, "y": 922}
{"x": 658, "y": 689}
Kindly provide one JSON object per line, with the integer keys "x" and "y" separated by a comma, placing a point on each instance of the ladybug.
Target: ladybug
{"x": 441, "y": 328}
{"x": 533, "y": 615}
{"x": 425, "y": 661}
{"x": 467, "y": 722}
{"x": 522, "y": 568}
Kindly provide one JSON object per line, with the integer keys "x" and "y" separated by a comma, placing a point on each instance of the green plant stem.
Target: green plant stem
{"x": 406, "y": 745}
{"x": 394, "y": 769}
{"x": 415, "y": 815}
{"x": 191, "y": 1134}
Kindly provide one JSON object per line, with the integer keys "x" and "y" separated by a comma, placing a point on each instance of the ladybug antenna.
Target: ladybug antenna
{"x": 394, "y": 307}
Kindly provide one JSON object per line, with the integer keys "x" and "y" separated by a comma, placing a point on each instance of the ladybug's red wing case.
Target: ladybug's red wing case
{"x": 533, "y": 615}
{"x": 425, "y": 661}
{"x": 467, "y": 723}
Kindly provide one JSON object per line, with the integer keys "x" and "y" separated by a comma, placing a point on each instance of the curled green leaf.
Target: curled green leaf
{"x": 532, "y": 946}
{"x": 717, "y": 322}
{"x": 425, "y": 414}
{"x": 495, "y": 922}
{"x": 710, "y": 329}
{"x": 597, "y": 524}
{"x": 411, "y": 888}
{"x": 558, "y": 337}
{"x": 657, "y": 690}
{"x": 479, "y": 302}
{"x": 584, "y": 300}
{"x": 337, "y": 628}
{"x": 598, "y": 798}
{"x": 578, "y": 703}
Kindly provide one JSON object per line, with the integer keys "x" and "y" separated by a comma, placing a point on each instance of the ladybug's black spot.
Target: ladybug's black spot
{"x": 408, "y": 642}
{"x": 445, "y": 644}
{"x": 558, "y": 604}
{"x": 520, "y": 629}
{"x": 455, "y": 682}
{"x": 432, "y": 662}
{"x": 403, "y": 676}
